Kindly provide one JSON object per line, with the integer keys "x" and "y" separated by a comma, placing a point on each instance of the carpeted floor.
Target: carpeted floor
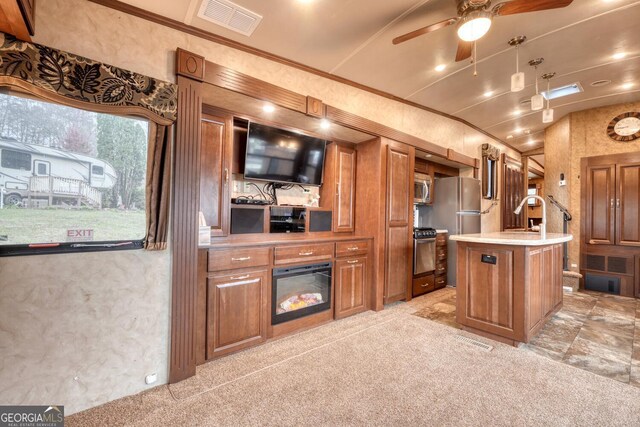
{"x": 387, "y": 368}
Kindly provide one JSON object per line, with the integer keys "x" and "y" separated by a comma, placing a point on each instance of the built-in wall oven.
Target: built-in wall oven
{"x": 422, "y": 189}
{"x": 424, "y": 250}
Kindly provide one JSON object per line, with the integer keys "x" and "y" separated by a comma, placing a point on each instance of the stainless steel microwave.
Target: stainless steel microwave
{"x": 422, "y": 189}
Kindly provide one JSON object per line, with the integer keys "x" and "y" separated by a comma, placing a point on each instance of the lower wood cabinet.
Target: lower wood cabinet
{"x": 350, "y": 281}
{"x": 236, "y": 311}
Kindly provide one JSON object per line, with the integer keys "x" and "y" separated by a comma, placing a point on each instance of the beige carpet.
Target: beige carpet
{"x": 388, "y": 368}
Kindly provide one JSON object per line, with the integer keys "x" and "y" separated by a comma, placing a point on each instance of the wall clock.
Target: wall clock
{"x": 625, "y": 127}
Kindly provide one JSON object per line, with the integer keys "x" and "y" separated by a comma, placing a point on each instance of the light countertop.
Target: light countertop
{"x": 441, "y": 231}
{"x": 513, "y": 238}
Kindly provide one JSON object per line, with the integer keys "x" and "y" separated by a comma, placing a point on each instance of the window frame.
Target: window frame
{"x": 9, "y": 150}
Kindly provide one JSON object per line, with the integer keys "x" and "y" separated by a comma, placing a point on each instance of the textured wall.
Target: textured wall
{"x": 104, "y": 317}
{"x": 581, "y": 134}
{"x": 82, "y": 329}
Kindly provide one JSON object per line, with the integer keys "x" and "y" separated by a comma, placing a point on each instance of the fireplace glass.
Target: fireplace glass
{"x": 300, "y": 291}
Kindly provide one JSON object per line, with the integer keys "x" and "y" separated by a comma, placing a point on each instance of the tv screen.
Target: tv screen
{"x": 278, "y": 155}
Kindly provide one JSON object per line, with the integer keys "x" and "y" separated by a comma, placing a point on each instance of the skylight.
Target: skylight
{"x": 559, "y": 92}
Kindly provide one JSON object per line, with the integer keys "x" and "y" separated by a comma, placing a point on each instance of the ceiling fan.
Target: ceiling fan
{"x": 474, "y": 20}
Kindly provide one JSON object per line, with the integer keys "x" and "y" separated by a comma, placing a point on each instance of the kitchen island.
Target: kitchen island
{"x": 509, "y": 283}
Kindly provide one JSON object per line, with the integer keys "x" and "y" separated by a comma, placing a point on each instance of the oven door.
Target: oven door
{"x": 424, "y": 255}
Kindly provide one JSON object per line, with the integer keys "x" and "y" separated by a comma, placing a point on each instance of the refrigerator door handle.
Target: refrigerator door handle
{"x": 468, "y": 213}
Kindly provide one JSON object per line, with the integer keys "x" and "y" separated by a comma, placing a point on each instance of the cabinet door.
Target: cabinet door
{"x": 398, "y": 186}
{"x": 351, "y": 276}
{"x": 343, "y": 216}
{"x": 599, "y": 221}
{"x": 236, "y": 312}
{"x": 628, "y": 205}
{"x": 215, "y": 158}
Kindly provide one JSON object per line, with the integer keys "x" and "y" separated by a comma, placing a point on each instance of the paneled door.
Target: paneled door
{"x": 343, "y": 216}
{"x": 351, "y": 275}
{"x": 628, "y": 204}
{"x": 513, "y": 193}
{"x": 398, "y": 221}
{"x": 601, "y": 204}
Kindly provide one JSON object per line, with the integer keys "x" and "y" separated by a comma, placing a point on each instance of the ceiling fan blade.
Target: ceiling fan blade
{"x": 425, "y": 30}
{"x": 522, "y": 6}
{"x": 465, "y": 49}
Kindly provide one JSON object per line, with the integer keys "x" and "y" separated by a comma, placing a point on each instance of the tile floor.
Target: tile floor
{"x": 596, "y": 332}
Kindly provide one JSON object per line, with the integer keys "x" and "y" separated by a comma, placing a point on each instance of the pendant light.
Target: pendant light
{"x": 547, "y": 115}
{"x": 517, "y": 79}
{"x": 537, "y": 100}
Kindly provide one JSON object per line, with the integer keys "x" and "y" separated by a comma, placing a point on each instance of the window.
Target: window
{"x": 15, "y": 160}
{"x": 87, "y": 189}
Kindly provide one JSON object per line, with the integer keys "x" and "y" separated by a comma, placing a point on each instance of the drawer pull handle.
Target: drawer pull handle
{"x": 246, "y": 276}
{"x": 246, "y": 258}
{"x": 355, "y": 261}
{"x": 353, "y": 248}
{"x": 425, "y": 285}
{"x": 305, "y": 253}
{"x": 441, "y": 269}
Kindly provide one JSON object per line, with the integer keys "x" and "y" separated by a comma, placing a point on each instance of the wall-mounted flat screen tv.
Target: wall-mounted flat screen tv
{"x": 278, "y": 155}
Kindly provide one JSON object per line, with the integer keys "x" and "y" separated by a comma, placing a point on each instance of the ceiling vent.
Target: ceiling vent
{"x": 599, "y": 83}
{"x": 230, "y": 15}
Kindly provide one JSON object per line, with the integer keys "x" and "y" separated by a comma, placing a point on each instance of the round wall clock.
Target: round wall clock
{"x": 625, "y": 127}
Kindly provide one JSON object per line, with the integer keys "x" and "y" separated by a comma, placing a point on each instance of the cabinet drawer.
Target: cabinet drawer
{"x": 440, "y": 282}
{"x": 441, "y": 253}
{"x": 441, "y": 268}
{"x": 360, "y": 247}
{"x": 229, "y": 259}
{"x": 295, "y": 254}
{"x": 422, "y": 285}
{"x": 441, "y": 239}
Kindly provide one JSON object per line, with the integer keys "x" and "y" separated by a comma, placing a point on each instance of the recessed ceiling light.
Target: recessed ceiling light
{"x": 619, "y": 55}
{"x": 268, "y": 108}
{"x": 527, "y": 131}
{"x": 517, "y": 130}
{"x": 488, "y": 94}
{"x": 441, "y": 67}
{"x": 517, "y": 112}
{"x": 325, "y": 124}
{"x": 599, "y": 83}
{"x": 509, "y": 136}
{"x": 627, "y": 86}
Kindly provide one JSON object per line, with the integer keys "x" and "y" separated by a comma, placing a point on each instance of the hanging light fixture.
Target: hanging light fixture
{"x": 474, "y": 25}
{"x": 537, "y": 100}
{"x": 547, "y": 114}
{"x": 517, "y": 79}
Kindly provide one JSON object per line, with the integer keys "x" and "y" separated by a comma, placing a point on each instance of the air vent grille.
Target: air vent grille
{"x": 617, "y": 265}
{"x": 595, "y": 262}
{"x": 230, "y": 15}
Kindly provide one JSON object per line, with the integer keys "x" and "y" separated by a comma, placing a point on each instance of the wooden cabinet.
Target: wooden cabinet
{"x": 600, "y": 215}
{"x": 350, "y": 280}
{"x": 400, "y": 159}
{"x": 17, "y": 17}
{"x": 215, "y": 170}
{"x": 513, "y": 193}
{"x": 303, "y": 253}
{"x": 441, "y": 261}
{"x": 628, "y": 204}
{"x": 237, "y": 312}
{"x": 339, "y": 186}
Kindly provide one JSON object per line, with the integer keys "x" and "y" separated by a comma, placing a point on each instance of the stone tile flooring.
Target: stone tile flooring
{"x": 596, "y": 332}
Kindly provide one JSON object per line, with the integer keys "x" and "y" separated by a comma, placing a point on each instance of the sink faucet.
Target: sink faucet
{"x": 543, "y": 224}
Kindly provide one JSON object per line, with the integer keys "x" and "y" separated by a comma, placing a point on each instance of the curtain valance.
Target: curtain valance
{"x": 85, "y": 80}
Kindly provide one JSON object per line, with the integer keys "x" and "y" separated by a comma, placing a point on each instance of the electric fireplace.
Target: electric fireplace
{"x": 300, "y": 291}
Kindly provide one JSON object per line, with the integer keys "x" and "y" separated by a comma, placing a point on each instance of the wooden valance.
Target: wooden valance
{"x": 52, "y": 71}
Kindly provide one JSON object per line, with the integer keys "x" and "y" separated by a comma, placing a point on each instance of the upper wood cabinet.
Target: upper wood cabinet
{"x": 339, "y": 186}
{"x": 613, "y": 203}
{"x": 17, "y": 17}
{"x": 215, "y": 170}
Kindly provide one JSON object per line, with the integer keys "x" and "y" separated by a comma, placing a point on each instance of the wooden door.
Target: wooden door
{"x": 343, "y": 216}
{"x": 350, "y": 281}
{"x": 600, "y": 212}
{"x": 628, "y": 204}
{"x": 236, "y": 312}
{"x": 513, "y": 193}
{"x": 215, "y": 163}
{"x": 398, "y": 222}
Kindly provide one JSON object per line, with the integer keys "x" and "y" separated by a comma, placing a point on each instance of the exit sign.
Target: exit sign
{"x": 79, "y": 235}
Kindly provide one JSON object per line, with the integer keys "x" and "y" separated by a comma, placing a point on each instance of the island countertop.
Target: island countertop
{"x": 514, "y": 238}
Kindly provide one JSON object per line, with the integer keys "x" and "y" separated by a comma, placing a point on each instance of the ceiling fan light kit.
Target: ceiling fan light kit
{"x": 474, "y": 25}
{"x": 517, "y": 79}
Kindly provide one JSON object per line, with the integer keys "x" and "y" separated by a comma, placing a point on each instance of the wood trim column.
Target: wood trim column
{"x": 184, "y": 226}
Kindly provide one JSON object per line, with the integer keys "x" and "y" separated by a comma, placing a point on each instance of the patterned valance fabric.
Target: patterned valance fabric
{"x": 84, "y": 80}
{"x": 491, "y": 152}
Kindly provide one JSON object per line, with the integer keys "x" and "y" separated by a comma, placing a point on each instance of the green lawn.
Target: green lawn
{"x": 50, "y": 225}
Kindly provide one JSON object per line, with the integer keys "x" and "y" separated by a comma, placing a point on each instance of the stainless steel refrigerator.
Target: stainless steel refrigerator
{"x": 456, "y": 208}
